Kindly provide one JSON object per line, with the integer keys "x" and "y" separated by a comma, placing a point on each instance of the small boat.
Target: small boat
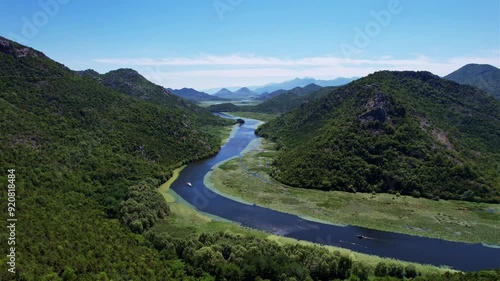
{"x": 189, "y": 184}
{"x": 361, "y": 236}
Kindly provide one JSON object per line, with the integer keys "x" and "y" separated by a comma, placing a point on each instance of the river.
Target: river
{"x": 456, "y": 255}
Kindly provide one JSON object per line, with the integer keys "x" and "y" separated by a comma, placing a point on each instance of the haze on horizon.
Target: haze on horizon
{"x": 222, "y": 43}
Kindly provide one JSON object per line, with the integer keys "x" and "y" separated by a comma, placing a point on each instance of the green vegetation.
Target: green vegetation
{"x": 407, "y": 132}
{"x": 225, "y": 245}
{"x": 451, "y": 220}
{"x": 287, "y": 101}
{"x": 89, "y": 156}
{"x": 223, "y": 132}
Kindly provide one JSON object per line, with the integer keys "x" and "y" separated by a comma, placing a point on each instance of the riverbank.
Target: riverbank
{"x": 450, "y": 220}
{"x": 186, "y": 222}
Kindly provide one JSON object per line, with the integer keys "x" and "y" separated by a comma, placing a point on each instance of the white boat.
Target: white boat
{"x": 189, "y": 184}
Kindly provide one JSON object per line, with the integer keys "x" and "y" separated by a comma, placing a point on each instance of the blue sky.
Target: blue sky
{"x": 223, "y": 43}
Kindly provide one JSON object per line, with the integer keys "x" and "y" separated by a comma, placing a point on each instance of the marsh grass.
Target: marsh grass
{"x": 450, "y": 220}
{"x": 185, "y": 222}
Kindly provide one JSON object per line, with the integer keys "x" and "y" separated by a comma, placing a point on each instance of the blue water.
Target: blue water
{"x": 461, "y": 256}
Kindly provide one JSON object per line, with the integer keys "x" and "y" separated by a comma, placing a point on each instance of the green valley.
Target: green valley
{"x": 104, "y": 164}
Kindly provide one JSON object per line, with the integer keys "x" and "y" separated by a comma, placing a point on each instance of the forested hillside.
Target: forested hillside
{"x": 130, "y": 82}
{"x": 88, "y": 157}
{"x": 79, "y": 150}
{"x": 407, "y": 132}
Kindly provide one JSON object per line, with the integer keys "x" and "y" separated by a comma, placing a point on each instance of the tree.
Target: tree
{"x": 410, "y": 271}
{"x": 381, "y": 269}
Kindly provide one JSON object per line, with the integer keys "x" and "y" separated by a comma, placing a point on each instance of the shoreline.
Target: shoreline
{"x": 451, "y": 229}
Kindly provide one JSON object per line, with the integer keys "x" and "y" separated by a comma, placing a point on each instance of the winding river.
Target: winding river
{"x": 461, "y": 256}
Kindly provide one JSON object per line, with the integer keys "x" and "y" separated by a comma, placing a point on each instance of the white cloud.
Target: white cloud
{"x": 208, "y": 71}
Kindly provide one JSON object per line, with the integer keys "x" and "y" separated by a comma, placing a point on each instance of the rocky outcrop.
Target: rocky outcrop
{"x": 381, "y": 108}
{"x": 18, "y": 50}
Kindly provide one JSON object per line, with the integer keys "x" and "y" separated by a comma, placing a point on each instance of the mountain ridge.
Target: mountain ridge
{"x": 302, "y": 82}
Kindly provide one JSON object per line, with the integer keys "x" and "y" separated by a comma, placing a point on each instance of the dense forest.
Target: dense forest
{"x": 88, "y": 158}
{"x": 402, "y": 132}
{"x": 81, "y": 151}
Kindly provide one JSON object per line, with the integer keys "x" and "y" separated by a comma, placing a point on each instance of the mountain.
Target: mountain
{"x": 242, "y": 93}
{"x": 301, "y": 82}
{"x": 226, "y": 107}
{"x": 483, "y": 76}
{"x": 300, "y": 91}
{"x": 194, "y": 95}
{"x": 266, "y": 95}
{"x": 245, "y": 92}
{"x": 407, "y": 132}
{"x": 223, "y": 92}
{"x": 130, "y": 82}
{"x": 281, "y": 103}
{"x": 87, "y": 159}
{"x": 289, "y": 100}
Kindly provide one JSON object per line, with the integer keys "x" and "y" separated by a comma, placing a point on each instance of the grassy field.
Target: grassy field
{"x": 224, "y": 132}
{"x": 253, "y": 115}
{"x": 186, "y": 222}
{"x": 450, "y": 220}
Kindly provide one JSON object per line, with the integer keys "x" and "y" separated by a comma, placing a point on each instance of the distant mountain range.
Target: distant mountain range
{"x": 288, "y": 85}
{"x": 194, "y": 95}
{"x": 243, "y": 93}
{"x": 483, "y": 76}
{"x": 278, "y": 102}
{"x": 301, "y": 82}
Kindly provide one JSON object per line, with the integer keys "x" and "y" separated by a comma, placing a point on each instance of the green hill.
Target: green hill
{"x": 288, "y": 100}
{"x": 193, "y": 95}
{"x": 224, "y": 107}
{"x": 130, "y": 82}
{"x": 407, "y": 132}
{"x": 84, "y": 153}
{"x": 483, "y": 76}
{"x": 280, "y": 103}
